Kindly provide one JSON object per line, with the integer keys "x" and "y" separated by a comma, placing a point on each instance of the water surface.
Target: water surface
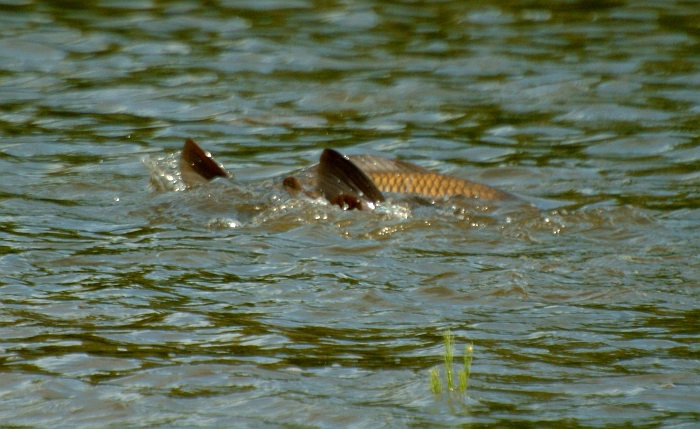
{"x": 127, "y": 301}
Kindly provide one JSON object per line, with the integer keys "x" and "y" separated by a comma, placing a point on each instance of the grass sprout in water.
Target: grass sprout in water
{"x": 466, "y": 369}
{"x": 435, "y": 382}
{"x": 462, "y": 375}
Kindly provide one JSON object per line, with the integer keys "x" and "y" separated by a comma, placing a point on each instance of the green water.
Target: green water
{"x": 128, "y": 302}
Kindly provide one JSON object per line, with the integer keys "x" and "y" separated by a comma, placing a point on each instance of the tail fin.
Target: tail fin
{"x": 198, "y": 166}
{"x": 340, "y": 181}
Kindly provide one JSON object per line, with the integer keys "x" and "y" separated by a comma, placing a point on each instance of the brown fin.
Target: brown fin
{"x": 347, "y": 202}
{"x": 292, "y": 185}
{"x": 198, "y": 166}
{"x": 338, "y": 176}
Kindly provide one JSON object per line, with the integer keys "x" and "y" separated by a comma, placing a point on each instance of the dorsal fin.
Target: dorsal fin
{"x": 198, "y": 166}
{"x": 338, "y": 179}
{"x": 378, "y": 164}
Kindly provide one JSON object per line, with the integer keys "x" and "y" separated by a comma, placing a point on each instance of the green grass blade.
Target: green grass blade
{"x": 449, "y": 355}
{"x": 467, "y": 368}
{"x": 435, "y": 382}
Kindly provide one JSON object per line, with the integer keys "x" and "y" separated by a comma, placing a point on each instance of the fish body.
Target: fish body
{"x": 400, "y": 177}
{"x": 351, "y": 182}
{"x": 434, "y": 185}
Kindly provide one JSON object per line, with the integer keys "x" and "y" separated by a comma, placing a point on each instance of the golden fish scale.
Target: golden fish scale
{"x": 434, "y": 185}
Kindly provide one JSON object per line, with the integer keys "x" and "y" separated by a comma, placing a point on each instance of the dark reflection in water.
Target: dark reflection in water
{"x": 128, "y": 301}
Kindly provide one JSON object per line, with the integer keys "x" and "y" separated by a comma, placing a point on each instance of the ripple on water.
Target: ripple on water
{"x": 615, "y": 112}
{"x": 24, "y": 56}
{"x": 129, "y": 304}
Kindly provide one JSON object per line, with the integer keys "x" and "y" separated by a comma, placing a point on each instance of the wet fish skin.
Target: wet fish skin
{"x": 401, "y": 177}
{"x": 435, "y": 185}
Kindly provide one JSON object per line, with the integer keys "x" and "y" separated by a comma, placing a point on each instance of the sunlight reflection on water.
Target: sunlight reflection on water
{"x": 127, "y": 300}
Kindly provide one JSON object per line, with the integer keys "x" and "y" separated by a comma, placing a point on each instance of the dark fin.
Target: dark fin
{"x": 347, "y": 202}
{"x": 338, "y": 176}
{"x": 198, "y": 166}
{"x": 292, "y": 185}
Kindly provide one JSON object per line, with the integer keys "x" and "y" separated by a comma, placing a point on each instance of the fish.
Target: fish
{"x": 400, "y": 177}
{"x": 198, "y": 166}
{"x": 355, "y": 182}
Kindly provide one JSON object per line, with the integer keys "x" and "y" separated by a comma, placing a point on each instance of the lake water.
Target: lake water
{"x": 127, "y": 301}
